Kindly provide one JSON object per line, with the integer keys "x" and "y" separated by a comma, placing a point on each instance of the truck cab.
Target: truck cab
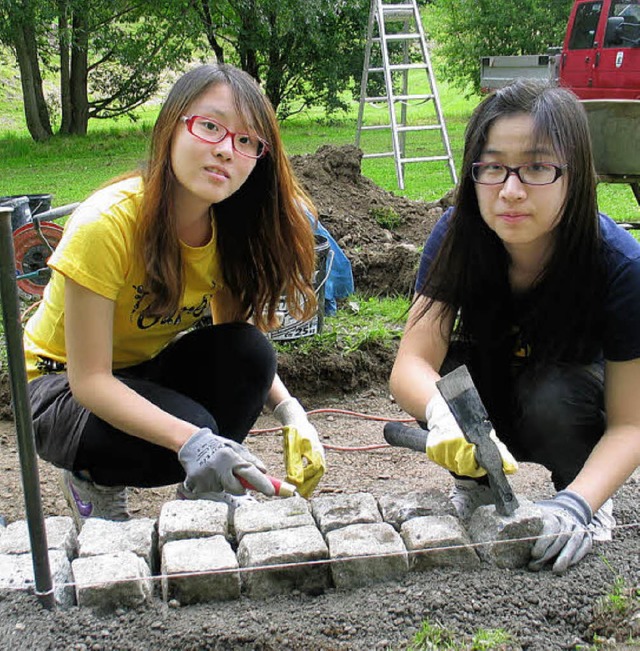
{"x": 601, "y": 51}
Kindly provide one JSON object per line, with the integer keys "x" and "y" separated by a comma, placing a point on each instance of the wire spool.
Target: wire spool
{"x": 32, "y": 253}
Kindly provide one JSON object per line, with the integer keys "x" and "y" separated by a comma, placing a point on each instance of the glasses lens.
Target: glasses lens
{"x": 538, "y": 173}
{"x": 208, "y": 130}
{"x": 489, "y": 173}
{"x": 248, "y": 145}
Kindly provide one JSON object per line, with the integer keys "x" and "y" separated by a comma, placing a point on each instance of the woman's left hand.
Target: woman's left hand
{"x": 565, "y": 538}
{"x": 304, "y": 455}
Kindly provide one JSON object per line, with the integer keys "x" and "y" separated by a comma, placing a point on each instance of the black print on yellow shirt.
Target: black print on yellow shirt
{"x": 195, "y": 312}
{"x": 46, "y": 365}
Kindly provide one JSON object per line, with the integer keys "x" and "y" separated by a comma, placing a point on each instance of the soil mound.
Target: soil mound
{"x": 379, "y": 232}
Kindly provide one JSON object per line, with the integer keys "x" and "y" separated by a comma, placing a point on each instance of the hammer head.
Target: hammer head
{"x": 464, "y": 401}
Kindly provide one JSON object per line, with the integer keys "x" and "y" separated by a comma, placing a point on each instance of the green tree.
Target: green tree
{"x": 308, "y": 51}
{"x": 18, "y": 21}
{"x": 110, "y": 55}
{"x": 466, "y": 30}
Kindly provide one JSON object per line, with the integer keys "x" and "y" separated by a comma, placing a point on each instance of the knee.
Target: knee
{"x": 253, "y": 353}
{"x": 545, "y": 401}
{"x": 200, "y": 417}
{"x": 239, "y": 348}
{"x": 251, "y": 342}
{"x": 561, "y": 399}
{"x": 186, "y": 408}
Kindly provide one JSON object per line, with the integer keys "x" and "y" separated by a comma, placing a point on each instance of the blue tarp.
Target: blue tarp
{"x": 340, "y": 281}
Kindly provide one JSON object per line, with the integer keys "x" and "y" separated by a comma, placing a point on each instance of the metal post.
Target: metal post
{"x": 22, "y": 413}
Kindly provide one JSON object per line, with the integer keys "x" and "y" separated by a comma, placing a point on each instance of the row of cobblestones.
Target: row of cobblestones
{"x": 195, "y": 551}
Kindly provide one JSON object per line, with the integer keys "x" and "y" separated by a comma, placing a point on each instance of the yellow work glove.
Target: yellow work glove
{"x": 447, "y": 446}
{"x": 304, "y": 458}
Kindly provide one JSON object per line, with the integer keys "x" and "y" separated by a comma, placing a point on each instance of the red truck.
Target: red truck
{"x": 600, "y": 62}
{"x": 600, "y": 56}
{"x": 599, "y": 59}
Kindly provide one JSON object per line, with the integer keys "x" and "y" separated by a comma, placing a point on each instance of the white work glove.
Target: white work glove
{"x": 213, "y": 464}
{"x": 447, "y": 446}
{"x": 304, "y": 456}
{"x": 565, "y": 537}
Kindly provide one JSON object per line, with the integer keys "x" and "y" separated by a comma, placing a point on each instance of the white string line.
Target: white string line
{"x": 317, "y": 562}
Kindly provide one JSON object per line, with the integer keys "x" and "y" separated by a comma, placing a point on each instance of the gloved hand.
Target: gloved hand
{"x": 304, "y": 457}
{"x": 565, "y": 536}
{"x": 212, "y": 462}
{"x": 447, "y": 446}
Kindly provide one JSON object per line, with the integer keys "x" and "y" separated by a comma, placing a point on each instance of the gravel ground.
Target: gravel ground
{"x": 540, "y": 611}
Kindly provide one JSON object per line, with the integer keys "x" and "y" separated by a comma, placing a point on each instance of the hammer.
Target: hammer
{"x": 464, "y": 401}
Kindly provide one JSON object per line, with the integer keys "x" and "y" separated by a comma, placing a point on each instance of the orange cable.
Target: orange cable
{"x": 27, "y": 310}
{"x": 345, "y": 412}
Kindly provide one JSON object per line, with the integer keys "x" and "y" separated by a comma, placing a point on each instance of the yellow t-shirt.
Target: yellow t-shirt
{"x": 97, "y": 252}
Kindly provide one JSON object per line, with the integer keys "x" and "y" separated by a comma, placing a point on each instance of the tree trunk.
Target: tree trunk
{"x": 246, "y": 49}
{"x": 65, "y": 81}
{"x": 273, "y": 83}
{"x": 79, "y": 73}
{"x": 35, "y": 106}
{"x": 203, "y": 10}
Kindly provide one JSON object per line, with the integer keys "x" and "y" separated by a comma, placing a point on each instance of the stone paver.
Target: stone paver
{"x": 505, "y": 541}
{"x": 397, "y": 509}
{"x": 60, "y": 531}
{"x": 297, "y": 547}
{"x": 341, "y": 541}
{"x": 443, "y": 540}
{"x": 107, "y": 537}
{"x": 185, "y": 519}
{"x": 199, "y": 570}
{"x": 110, "y": 581}
{"x": 369, "y": 552}
{"x": 336, "y": 511}
{"x": 16, "y": 573}
{"x": 276, "y": 514}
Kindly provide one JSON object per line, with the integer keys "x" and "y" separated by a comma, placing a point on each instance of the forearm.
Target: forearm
{"x": 413, "y": 384}
{"x": 114, "y": 402}
{"x": 422, "y": 351}
{"x": 277, "y": 393}
{"x": 609, "y": 465}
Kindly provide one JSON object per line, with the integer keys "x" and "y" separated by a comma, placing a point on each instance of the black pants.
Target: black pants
{"x": 216, "y": 377}
{"x": 551, "y": 414}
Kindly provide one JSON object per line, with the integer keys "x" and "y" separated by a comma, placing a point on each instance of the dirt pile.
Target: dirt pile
{"x": 379, "y": 232}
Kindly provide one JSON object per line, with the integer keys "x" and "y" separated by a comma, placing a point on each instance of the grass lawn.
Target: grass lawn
{"x": 70, "y": 168}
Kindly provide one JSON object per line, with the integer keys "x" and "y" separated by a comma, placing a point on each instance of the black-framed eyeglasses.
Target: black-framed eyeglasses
{"x": 529, "y": 173}
{"x": 212, "y": 131}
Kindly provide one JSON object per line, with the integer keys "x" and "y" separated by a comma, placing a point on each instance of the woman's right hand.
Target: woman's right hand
{"x": 213, "y": 464}
{"x": 448, "y": 447}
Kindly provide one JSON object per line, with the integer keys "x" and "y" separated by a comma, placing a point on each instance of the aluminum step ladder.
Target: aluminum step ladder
{"x": 409, "y": 46}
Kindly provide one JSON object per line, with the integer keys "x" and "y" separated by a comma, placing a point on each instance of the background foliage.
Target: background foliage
{"x": 466, "y": 30}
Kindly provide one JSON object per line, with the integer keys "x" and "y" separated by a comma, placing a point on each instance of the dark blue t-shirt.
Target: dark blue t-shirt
{"x": 621, "y": 333}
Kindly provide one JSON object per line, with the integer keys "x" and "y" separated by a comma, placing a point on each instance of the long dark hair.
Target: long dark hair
{"x": 264, "y": 238}
{"x": 470, "y": 273}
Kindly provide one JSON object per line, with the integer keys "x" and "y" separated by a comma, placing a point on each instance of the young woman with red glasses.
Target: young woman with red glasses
{"x": 124, "y": 390}
{"x": 539, "y": 295}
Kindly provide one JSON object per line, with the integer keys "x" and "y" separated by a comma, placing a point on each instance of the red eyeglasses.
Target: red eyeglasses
{"x": 212, "y": 131}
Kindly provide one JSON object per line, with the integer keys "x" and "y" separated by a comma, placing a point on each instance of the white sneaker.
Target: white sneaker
{"x": 603, "y": 522}
{"x": 89, "y": 500}
{"x": 232, "y": 501}
{"x": 467, "y": 495}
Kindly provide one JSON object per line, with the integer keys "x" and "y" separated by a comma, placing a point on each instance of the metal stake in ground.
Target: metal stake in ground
{"x": 22, "y": 412}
